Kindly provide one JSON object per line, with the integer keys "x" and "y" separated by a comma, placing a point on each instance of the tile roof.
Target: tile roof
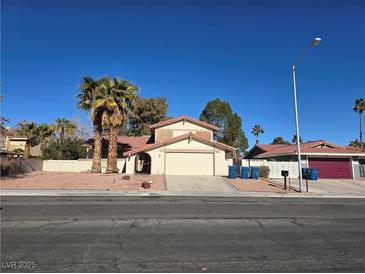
{"x": 315, "y": 147}
{"x": 178, "y": 138}
{"x": 186, "y": 118}
{"x": 128, "y": 142}
{"x": 134, "y": 141}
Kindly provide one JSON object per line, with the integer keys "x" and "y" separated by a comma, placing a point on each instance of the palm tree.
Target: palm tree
{"x": 64, "y": 126}
{"x": 360, "y": 107}
{"x": 114, "y": 99}
{"x": 29, "y": 130}
{"x": 44, "y": 134}
{"x": 257, "y": 130}
{"x": 86, "y": 99}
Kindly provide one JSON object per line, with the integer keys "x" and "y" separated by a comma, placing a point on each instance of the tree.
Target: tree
{"x": 294, "y": 140}
{"x": 356, "y": 143}
{"x": 69, "y": 149}
{"x": 280, "y": 141}
{"x": 29, "y": 130}
{"x": 86, "y": 100}
{"x": 359, "y": 107}
{"x": 44, "y": 134}
{"x": 114, "y": 100}
{"x": 3, "y": 120}
{"x": 233, "y": 134}
{"x": 64, "y": 126}
{"x": 148, "y": 111}
{"x": 220, "y": 114}
{"x": 217, "y": 113}
{"x": 257, "y": 130}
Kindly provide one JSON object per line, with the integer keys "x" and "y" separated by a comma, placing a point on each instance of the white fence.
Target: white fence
{"x": 76, "y": 165}
{"x": 275, "y": 167}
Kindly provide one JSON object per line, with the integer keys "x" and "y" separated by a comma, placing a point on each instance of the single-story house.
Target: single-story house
{"x": 333, "y": 161}
{"x": 10, "y": 142}
{"x": 178, "y": 146}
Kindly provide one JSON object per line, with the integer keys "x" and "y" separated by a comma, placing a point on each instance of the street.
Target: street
{"x": 182, "y": 234}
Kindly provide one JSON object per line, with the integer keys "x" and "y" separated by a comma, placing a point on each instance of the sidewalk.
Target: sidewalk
{"x": 171, "y": 193}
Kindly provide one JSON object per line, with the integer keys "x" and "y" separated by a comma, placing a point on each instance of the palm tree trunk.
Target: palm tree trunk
{"x": 26, "y": 152}
{"x": 361, "y": 143}
{"x": 112, "y": 163}
{"x": 62, "y": 135}
{"x": 96, "y": 165}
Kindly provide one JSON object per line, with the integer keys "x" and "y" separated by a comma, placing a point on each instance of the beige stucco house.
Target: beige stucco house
{"x": 181, "y": 146}
{"x": 178, "y": 146}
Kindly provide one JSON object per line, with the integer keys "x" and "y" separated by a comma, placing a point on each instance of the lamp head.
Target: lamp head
{"x": 315, "y": 42}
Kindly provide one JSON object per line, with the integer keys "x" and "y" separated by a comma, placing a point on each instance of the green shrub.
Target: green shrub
{"x": 68, "y": 149}
{"x": 264, "y": 171}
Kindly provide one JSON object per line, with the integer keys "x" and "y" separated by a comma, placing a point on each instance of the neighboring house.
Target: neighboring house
{"x": 333, "y": 161}
{"x": 179, "y": 146}
{"x": 10, "y": 142}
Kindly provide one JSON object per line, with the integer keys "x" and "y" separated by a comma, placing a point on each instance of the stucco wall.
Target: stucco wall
{"x": 275, "y": 167}
{"x": 81, "y": 165}
{"x": 184, "y": 146}
{"x": 180, "y": 128}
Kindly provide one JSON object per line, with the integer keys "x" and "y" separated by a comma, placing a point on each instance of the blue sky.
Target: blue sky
{"x": 191, "y": 52}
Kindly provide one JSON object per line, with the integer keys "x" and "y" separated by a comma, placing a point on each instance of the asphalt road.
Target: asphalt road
{"x": 172, "y": 234}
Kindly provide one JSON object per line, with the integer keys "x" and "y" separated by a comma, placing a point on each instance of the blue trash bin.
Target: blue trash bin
{"x": 232, "y": 172}
{"x": 245, "y": 172}
{"x": 313, "y": 175}
{"x": 255, "y": 172}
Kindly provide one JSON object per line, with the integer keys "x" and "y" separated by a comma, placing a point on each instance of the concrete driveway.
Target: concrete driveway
{"x": 335, "y": 186}
{"x": 198, "y": 185}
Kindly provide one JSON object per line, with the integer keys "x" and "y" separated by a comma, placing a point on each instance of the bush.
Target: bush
{"x": 10, "y": 166}
{"x": 69, "y": 149}
{"x": 264, "y": 172}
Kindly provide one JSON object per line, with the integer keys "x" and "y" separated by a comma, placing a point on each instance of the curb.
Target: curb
{"x": 173, "y": 194}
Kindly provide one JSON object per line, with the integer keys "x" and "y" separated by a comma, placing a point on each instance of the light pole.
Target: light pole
{"x": 314, "y": 43}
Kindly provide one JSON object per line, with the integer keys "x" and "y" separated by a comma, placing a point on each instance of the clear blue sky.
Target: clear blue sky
{"x": 191, "y": 52}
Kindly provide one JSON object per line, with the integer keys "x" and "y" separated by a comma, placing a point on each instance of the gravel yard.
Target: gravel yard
{"x": 74, "y": 180}
{"x": 259, "y": 185}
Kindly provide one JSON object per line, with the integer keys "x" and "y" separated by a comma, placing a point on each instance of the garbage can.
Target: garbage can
{"x": 255, "y": 172}
{"x": 232, "y": 172}
{"x": 305, "y": 173}
{"x": 313, "y": 175}
{"x": 245, "y": 172}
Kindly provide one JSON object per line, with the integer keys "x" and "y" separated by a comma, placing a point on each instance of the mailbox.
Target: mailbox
{"x": 285, "y": 173}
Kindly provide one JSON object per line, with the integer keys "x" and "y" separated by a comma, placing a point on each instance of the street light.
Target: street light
{"x": 314, "y": 43}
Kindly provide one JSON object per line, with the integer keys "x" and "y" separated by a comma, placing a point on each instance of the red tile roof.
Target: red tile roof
{"x": 134, "y": 141}
{"x": 178, "y": 138}
{"x": 320, "y": 146}
{"x": 182, "y": 118}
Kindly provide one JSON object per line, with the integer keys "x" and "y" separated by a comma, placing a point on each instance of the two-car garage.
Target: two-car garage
{"x": 189, "y": 163}
{"x": 332, "y": 168}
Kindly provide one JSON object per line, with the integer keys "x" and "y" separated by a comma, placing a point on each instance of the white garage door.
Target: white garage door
{"x": 189, "y": 164}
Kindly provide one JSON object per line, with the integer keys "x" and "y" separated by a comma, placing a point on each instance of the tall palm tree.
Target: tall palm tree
{"x": 29, "y": 130}
{"x": 86, "y": 98}
{"x": 64, "y": 126}
{"x": 114, "y": 99}
{"x": 360, "y": 107}
{"x": 257, "y": 130}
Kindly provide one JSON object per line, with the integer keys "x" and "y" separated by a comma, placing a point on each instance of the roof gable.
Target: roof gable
{"x": 184, "y": 118}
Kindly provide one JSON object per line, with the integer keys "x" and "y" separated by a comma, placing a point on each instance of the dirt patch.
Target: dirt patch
{"x": 74, "y": 180}
{"x": 259, "y": 185}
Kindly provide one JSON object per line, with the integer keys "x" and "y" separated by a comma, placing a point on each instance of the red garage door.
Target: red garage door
{"x": 332, "y": 168}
